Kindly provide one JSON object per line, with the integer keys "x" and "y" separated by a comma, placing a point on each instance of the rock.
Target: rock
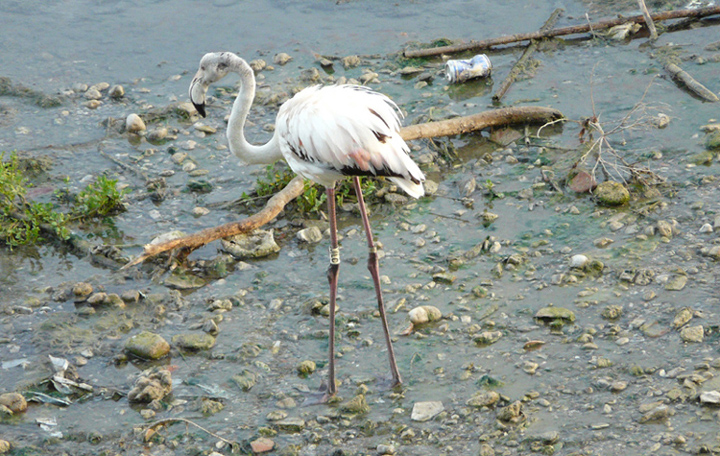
{"x": 486, "y": 450}
{"x": 93, "y": 94}
{"x": 424, "y": 314}
{"x": 551, "y": 313}
{"x": 692, "y": 333}
{"x": 262, "y": 445}
{"x": 291, "y": 424}
{"x": 15, "y": 402}
{"x": 710, "y": 397}
{"x": 258, "y": 244}
{"x": 82, "y": 290}
{"x": 487, "y": 337}
{"x": 246, "y": 380}
{"x": 305, "y": 368}
{"x": 147, "y": 345}
{"x": 583, "y": 182}
{"x": 424, "y": 411}
{"x": 356, "y": 405}
{"x": 257, "y": 65}
{"x": 611, "y": 193}
{"x": 116, "y": 91}
{"x": 712, "y": 140}
{"x": 483, "y": 399}
{"x": 157, "y": 135}
{"x": 152, "y": 385}
{"x": 311, "y": 235}
{"x": 664, "y": 228}
{"x": 350, "y": 61}
{"x": 193, "y": 341}
{"x": 511, "y": 413}
{"x": 281, "y": 58}
{"x": 658, "y": 413}
{"x": 683, "y": 316}
{"x": 578, "y": 261}
{"x": 134, "y": 124}
{"x": 444, "y": 277}
{"x": 612, "y": 312}
{"x": 676, "y": 282}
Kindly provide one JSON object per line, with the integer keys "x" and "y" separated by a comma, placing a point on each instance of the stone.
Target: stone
{"x": 262, "y": 445}
{"x": 134, "y": 124}
{"x": 152, "y": 385}
{"x": 611, "y": 193}
{"x": 311, "y": 235}
{"x": 291, "y": 424}
{"x": 305, "y": 368}
{"x": 511, "y": 413}
{"x": 424, "y": 314}
{"x": 258, "y": 244}
{"x": 692, "y": 334}
{"x": 194, "y": 341}
{"x": 147, "y": 345}
{"x": 710, "y": 397}
{"x": 117, "y": 91}
{"x": 551, "y": 313}
{"x": 246, "y": 380}
{"x": 676, "y": 282}
{"x": 356, "y": 405}
{"x": 487, "y": 337}
{"x": 281, "y": 58}
{"x": 15, "y": 402}
{"x": 483, "y": 399}
{"x": 424, "y": 411}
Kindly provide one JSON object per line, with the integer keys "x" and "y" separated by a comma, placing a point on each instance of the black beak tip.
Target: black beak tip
{"x": 200, "y": 108}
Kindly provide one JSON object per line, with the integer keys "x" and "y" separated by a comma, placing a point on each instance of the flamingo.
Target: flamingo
{"x": 325, "y": 133}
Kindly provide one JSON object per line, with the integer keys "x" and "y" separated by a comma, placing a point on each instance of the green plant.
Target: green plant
{"x": 313, "y": 197}
{"x": 22, "y": 222}
{"x": 99, "y": 199}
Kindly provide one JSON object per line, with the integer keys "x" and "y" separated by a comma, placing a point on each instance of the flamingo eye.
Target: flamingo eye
{"x": 202, "y": 68}
{"x": 222, "y": 66}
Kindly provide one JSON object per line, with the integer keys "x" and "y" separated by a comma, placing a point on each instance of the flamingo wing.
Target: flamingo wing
{"x": 330, "y": 132}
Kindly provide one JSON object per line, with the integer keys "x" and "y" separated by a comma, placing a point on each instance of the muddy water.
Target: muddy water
{"x": 152, "y": 48}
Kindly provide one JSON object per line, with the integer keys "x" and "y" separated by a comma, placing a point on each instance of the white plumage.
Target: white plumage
{"x": 324, "y": 134}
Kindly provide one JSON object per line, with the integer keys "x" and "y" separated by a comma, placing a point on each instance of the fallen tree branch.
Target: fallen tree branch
{"x": 486, "y": 119}
{"x": 272, "y": 208}
{"x": 648, "y": 20}
{"x": 292, "y": 190}
{"x": 517, "y": 68}
{"x": 484, "y": 44}
{"x": 694, "y": 86}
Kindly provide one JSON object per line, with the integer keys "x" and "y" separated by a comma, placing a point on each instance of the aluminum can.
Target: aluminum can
{"x": 462, "y": 70}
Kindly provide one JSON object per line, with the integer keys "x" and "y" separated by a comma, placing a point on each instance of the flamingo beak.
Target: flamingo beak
{"x": 200, "y": 108}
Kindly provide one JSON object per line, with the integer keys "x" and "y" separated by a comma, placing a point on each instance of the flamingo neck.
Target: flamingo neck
{"x": 248, "y": 153}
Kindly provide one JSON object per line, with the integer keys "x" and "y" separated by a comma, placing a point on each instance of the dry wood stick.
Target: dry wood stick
{"x": 648, "y": 20}
{"x": 515, "y": 70}
{"x": 505, "y": 116}
{"x": 697, "y": 88}
{"x": 484, "y": 44}
{"x": 486, "y": 119}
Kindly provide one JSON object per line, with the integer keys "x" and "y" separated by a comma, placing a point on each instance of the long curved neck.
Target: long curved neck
{"x": 249, "y": 153}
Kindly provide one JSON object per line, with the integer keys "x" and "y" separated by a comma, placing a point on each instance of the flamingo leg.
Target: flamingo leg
{"x": 332, "y": 275}
{"x": 374, "y": 269}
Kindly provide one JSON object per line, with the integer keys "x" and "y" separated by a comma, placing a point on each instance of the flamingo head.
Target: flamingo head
{"x": 213, "y": 67}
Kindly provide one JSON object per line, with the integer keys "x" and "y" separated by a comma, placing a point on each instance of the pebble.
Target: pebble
{"x": 424, "y": 411}
{"x": 424, "y": 314}
{"x": 483, "y": 399}
{"x": 116, "y": 91}
{"x": 311, "y": 235}
{"x": 194, "y": 341}
{"x": 706, "y": 228}
{"x": 578, "y": 261}
{"x": 692, "y": 333}
{"x": 15, "y": 402}
{"x": 199, "y": 211}
{"x": 134, "y": 124}
{"x": 553, "y": 313}
{"x": 281, "y": 58}
{"x": 93, "y": 94}
{"x": 683, "y": 316}
{"x": 305, "y": 368}
{"x": 350, "y": 61}
{"x": 710, "y": 397}
{"x": 262, "y": 445}
{"x": 488, "y": 337}
{"x": 258, "y": 244}
{"x": 152, "y": 385}
{"x": 147, "y": 345}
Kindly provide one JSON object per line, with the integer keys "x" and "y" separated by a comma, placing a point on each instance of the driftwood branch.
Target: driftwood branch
{"x": 295, "y": 188}
{"x": 517, "y": 68}
{"x": 494, "y": 118}
{"x": 694, "y": 86}
{"x": 648, "y": 20}
{"x": 484, "y": 44}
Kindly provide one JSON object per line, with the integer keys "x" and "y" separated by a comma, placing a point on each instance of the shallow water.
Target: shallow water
{"x": 152, "y": 48}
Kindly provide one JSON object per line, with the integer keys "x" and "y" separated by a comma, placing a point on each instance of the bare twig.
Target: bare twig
{"x": 484, "y": 44}
{"x": 151, "y": 429}
{"x": 648, "y": 20}
{"x": 517, "y": 68}
{"x": 486, "y": 119}
{"x": 694, "y": 86}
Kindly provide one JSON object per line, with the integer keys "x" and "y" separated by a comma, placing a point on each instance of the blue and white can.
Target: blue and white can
{"x": 462, "y": 70}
